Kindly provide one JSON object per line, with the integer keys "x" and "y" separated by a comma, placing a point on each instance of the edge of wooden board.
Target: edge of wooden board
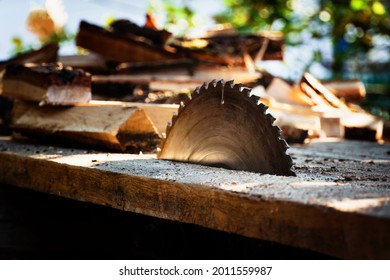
{"x": 318, "y": 228}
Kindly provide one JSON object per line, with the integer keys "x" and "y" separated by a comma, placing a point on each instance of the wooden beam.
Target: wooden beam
{"x": 113, "y": 126}
{"x": 339, "y": 204}
{"x": 159, "y": 114}
{"x": 118, "y": 47}
{"x": 47, "y": 53}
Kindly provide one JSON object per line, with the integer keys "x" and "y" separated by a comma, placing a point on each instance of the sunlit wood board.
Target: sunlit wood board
{"x": 338, "y": 204}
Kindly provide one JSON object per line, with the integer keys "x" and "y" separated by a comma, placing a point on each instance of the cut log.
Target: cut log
{"x": 125, "y": 26}
{"x": 349, "y": 90}
{"x": 47, "y": 84}
{"x": 159, "y": 114}
{"x": 47, "y": 53}
{"x": 177, "y": 80}
{"x": 308, "y": 81}
{"x": 285, "y": 93}
{"x": 115, "y": 127}
{"x": 231, "y": 49}
{"x": 174, "y": 67}
{"x": 92, "y": 63}
{"x": 120, "y": 48}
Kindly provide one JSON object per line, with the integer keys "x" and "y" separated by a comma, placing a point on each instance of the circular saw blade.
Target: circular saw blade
{"x": 222, "y": 125}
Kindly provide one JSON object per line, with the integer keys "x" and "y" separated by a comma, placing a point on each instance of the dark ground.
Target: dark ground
{"x": 40, "y": 226}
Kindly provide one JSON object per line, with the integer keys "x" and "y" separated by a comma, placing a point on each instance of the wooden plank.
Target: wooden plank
{"x": 339, "y": 203}
{"x": 159, "y": 114}
{"x": 112, "y": 126}
{"x": 118, "y": 47}
{"x": 32, "y": 223}
{"x": 91, "y": 62}
{"x": 47, "y": 53}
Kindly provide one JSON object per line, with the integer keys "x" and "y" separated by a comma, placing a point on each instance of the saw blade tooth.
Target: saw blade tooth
{"x": 174, "y": 117}
{"x": 278, "y": 131}
{"x": 284, "y": 144}
{"x": 290, "y": 161}
{"x": 204, "y": 88}
{"x": 194, "y": 94}
{"x": 168, "y": 129}
{"x": 164, "y": 135}
{"x": 263, "y": 107}
{"x": 220, "y": 82}
{"x": 181, "y": 106}
{"x": 270, "y": 118}
{"x": 213, "y": 83}
{"x": 197, "y": 90}
{"x": 238, "y": 87}
{"x": 255, "y": 99}
{"x": 247, "y": 91}
{"x": 230, "y": 83}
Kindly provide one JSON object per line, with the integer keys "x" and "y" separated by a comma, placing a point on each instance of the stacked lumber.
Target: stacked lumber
{"x": 311, "y": 107}
{"x": 118, "y": 127}
{"x": 125, "y": 41}
{"x": 47, "y": 84}
{"x": 47, "y": 53}
{"x": 53, "y": 104}
{"x": 120, "y": 46}
{"x": 141, "y": 65}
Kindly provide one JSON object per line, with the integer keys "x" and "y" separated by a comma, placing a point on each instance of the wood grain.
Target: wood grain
{"x": 113, "y": 126}
{"x": 324, "y": 208}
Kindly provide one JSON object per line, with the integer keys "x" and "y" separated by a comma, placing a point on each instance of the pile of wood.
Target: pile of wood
{"x": 311, "y": 108}
{"x": 147, "y": 72}
{"x": 53, "y": 103}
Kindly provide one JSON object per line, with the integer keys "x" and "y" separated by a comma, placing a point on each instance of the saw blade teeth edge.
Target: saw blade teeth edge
{"x": 270, "y": 118}
{"x": 263, "y": 107}
{"x": 221, "y": 82}
{"x": 213, "y": 83}
{"x": 277, "y": 130}
{"x": 238, "y": 87}
{"x": 168, "y": 129}
{"x": 174, "y": 118}
{"x": 181, "y": 106}
{"x": 230, "y": 83}
{"x": 284, "y": 143}
{"x": 246, "y": 91}
{"x": 255, "y": 99}
{"x": 194, "y": 94}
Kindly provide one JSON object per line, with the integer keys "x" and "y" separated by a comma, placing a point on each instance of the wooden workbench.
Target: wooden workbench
{"x": 338, "y": 204}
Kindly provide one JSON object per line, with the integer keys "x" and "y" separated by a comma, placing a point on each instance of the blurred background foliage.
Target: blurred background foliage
{"x": 332, "y": 39}
{"x": 358, "y": 31}
{"x": 353, "y": 26}
{"x": 344, "y": 39}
